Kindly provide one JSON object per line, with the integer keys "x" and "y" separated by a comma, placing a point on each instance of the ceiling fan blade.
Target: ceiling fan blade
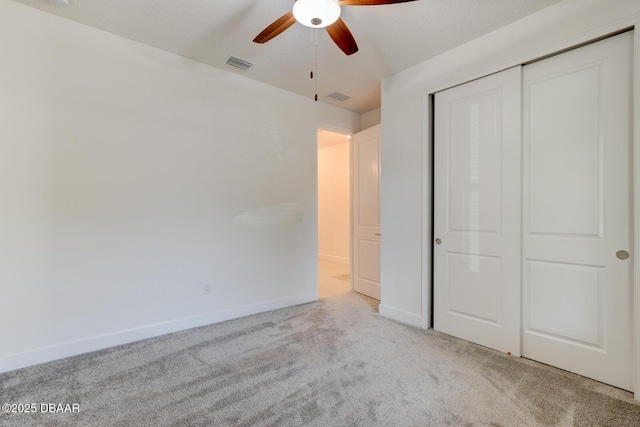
{"x": 278, "y": 26}
{"x": 369, "y": 2}
{"x": 340, "y": 34}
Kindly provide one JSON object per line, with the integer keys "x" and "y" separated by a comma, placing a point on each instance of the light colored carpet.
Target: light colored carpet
{"x": 334, "y": 362}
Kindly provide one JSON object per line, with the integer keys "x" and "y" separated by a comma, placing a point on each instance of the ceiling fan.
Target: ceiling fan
{"x": 321, "y": 14}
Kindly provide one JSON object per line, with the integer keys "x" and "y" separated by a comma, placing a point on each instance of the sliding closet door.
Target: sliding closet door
{"x": 577, "y": 294}
{"x": 477, "y": 211}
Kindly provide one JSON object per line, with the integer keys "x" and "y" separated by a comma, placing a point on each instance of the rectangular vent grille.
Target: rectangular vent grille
{"x": 339, "y": 96}
{"x": 239, "y": 63}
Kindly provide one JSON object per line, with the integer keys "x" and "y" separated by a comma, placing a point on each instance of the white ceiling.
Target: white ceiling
{"x": 391, "y": 38}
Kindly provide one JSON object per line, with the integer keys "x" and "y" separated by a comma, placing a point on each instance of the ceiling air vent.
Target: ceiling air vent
{"x": 239, "y": 63}
{"x": 339, "y": 96}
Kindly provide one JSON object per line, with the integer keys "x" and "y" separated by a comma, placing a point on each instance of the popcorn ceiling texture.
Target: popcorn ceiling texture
{"x": 332, "y": 362}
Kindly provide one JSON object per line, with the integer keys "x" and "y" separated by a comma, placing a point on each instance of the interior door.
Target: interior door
{"x": 477, "y": 175}
{"x": 366, "y": 212}
{"x": 577, "y": 293}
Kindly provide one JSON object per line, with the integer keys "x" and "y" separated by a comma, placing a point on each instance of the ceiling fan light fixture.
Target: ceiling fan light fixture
{"x": 316, "y": 13}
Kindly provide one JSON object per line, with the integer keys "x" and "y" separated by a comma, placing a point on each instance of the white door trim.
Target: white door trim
{"x": 635, "y": 173}
{"x": 427, "y": 160}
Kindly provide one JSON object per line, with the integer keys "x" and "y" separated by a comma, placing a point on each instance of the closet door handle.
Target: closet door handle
{"x": 622, "y": 254}
{"x": 438, "y": 241}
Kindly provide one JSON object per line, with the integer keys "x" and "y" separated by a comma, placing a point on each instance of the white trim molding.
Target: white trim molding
{"x": 636, "y": 202}
{"x": 73, "y": 348}
{"x": 400, "y": 315}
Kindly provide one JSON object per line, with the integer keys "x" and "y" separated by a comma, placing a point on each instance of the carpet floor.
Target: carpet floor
{"x": 334, "y": 362}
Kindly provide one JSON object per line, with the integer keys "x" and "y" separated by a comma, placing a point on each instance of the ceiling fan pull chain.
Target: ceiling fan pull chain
{"x": 312, "y": 44}
{"x": 316, "y": 45}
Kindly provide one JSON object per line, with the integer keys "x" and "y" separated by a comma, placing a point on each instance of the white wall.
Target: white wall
{"x": 130, "y": 178}
{"x": 333, "y": 197}
{"x": 370, "y": 118}
{"x": 405, "y": 207}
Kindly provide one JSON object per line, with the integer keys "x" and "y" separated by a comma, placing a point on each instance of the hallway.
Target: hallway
{"x": 333, "y": 278}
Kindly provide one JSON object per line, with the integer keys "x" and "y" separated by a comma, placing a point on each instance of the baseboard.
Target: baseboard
{"x": 400, "y": 315}
{"x": 14, "y": 361}
{"x": 341, "y": 260}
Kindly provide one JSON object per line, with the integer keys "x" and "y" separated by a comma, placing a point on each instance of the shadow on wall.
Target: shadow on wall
{"x": 270, "y": 216}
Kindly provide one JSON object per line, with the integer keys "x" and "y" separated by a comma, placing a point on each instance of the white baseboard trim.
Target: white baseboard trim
{"x": 400, "y": 315}
{"x": 14, "y": 361}
{"x": 341, "y": 260}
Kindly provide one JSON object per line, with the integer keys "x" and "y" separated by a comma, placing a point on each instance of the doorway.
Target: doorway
{"x": 334, "y": 213}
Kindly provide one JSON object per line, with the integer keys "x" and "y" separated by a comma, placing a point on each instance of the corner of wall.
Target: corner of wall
{"x": 370, "y": 118}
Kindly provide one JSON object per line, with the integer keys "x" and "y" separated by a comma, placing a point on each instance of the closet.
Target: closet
{"x": 533, "y": 213}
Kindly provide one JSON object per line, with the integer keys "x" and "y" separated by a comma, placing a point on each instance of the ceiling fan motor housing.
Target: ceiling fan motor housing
{"x": 316, "y": 13}
{"x": 321, "y": 14}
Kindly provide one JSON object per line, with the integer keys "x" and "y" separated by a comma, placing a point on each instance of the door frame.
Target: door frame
{"x": 349, "y": 133}
{"x": 631, "y": 23}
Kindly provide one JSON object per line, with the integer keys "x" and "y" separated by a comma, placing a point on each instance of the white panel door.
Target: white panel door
{"x": 366, "y": 212}
{"x": 577, "y": 294}
{"x": 477, "y": 199}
